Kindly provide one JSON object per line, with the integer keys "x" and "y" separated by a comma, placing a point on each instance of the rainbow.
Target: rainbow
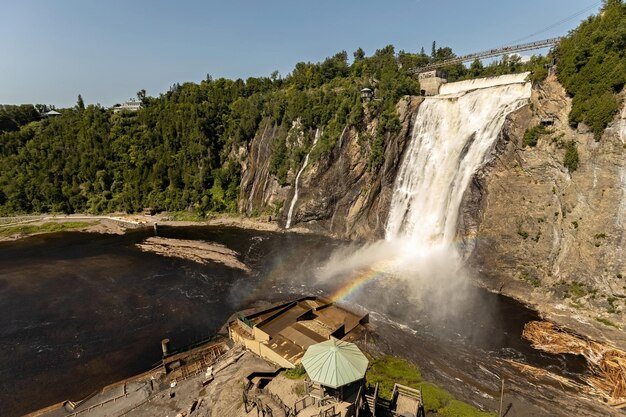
{"x": 370, "y": 274}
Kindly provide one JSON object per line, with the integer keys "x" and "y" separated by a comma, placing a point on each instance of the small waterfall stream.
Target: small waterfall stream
{"x": 294, "y": 200}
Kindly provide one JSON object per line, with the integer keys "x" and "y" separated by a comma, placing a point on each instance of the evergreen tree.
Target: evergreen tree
{"x": 80, "y": 104}
{"x": 359, "y": 55}
{"x": 476, "y": 68}
{"x": 141, "y": 96}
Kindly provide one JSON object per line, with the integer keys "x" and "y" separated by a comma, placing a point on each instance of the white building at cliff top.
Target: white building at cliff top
{"x": 129, "y": 106}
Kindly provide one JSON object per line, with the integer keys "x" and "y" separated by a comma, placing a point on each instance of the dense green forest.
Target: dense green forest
{"x": 592, "y": 66}
{"x": 180, "y": 151}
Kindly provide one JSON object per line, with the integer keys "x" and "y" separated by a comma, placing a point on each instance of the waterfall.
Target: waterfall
{"x": 453, "y": 136}
{"x": 294, "y": 200}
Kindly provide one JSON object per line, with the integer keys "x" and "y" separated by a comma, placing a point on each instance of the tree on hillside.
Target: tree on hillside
{"x": 443, "y": 54}
{"x": 80, "y": 104}
{"x": 476, "y": 68}
{"x": 43, "y": 108}
{"x": 141, "y": 95}
{"x": 591, "y": 65}
{"x": 359, "y": 55}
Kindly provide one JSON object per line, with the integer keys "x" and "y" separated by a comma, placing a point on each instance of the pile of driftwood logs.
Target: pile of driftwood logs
{"x": 607, "y": 363}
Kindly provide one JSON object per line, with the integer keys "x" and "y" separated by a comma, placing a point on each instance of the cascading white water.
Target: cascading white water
{"x": 294, "y": 200}
{"x": 453, "y": 135}
{"x": 480, "y": 83}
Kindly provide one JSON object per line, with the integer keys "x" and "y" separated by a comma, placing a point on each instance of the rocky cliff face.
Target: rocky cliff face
{"x": 532, "y": 229}
{"x": 548, "y": 236}
{"x": 338, "y": 194}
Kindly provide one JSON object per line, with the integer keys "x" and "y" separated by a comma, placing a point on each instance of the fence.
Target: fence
{"x": 252, "y": 395}
{"x": 197, "y": 367}
{"x": 303, "y": 403}
{"x": 329, "y": 412}
{"x": 103, "y": 403}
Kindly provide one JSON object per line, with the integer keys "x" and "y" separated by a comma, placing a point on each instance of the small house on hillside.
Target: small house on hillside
{"x": 51, "y": 113}
{"x": 367, "y": 94}
{"x": 128, "y": 106}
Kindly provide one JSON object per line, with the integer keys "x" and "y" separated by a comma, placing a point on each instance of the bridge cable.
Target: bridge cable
{"x": 559, "y": 23}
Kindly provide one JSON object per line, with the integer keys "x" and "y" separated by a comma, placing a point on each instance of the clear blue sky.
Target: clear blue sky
{"x": 52, "y": 50}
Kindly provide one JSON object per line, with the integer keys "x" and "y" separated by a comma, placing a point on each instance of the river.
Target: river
{"x": 84, "y": 310}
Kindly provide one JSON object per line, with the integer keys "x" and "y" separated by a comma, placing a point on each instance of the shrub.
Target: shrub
{"x": 537, "y": 236}
{"x": 576, "y": 290}
{"x": 531, "y": 136}
{"x": 570, "y": 161}
{"x": 606, "y": 322}
{"x": 295, "y": 373}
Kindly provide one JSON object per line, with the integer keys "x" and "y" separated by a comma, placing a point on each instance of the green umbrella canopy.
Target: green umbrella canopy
{"x": 334, "y": 363}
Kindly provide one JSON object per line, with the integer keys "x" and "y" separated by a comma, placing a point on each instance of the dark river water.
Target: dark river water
{"x": 80, "y": 310}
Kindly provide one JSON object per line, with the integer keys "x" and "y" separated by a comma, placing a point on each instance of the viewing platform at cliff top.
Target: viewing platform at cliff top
{"x": 283, "y": 332}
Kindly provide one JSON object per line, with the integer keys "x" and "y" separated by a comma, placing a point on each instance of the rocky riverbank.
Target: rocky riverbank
{"x": 15, "y": 228}
{"x": 20, "y": 227}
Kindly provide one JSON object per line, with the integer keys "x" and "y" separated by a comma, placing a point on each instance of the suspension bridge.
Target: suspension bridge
{"x": 487, "y": 54}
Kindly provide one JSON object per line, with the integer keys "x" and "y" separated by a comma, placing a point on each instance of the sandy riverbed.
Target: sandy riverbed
{"x": 193, "y": 250}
